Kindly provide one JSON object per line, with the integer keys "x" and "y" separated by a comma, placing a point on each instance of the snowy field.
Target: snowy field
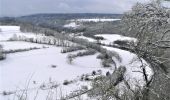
{"x": 19, "y": 67}
{"x": 97, "y": 20}
{"x": 14, "y": 45}
{"x": 6, "y": 32}
{"x": 38, "y": 70}
{"x": 71, "y": 25}
{"x": 36, "y": 66}
{"x": 110, "y": 38}
{"x": 86, "y": 38}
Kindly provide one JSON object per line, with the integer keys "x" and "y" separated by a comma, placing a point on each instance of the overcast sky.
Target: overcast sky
{"x": 26, "y": 7}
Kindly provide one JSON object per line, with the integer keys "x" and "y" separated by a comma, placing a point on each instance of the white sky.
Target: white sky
{"x": 26, "y": 7}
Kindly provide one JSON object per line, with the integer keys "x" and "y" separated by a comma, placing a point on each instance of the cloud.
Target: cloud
{"x": 25, "y": 7}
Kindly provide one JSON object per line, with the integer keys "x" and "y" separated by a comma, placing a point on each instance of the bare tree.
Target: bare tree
{"x": 149, "y": 23}
{"x": 70, "y": 58}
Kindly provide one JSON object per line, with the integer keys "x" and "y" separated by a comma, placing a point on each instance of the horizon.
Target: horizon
{"x": 16, "y": 8}
{"x": 58, "y": 14}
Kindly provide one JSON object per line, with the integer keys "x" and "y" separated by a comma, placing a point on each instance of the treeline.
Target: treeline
{"x": 41, "y": 39}
{"x": 2, "y": 55}
{"x": 87, "y": 52}
{"x": 72, "y": 48}
{"x": 20, "y": 50}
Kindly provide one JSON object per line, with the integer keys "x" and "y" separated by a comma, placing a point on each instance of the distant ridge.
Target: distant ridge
{"x": 74, "y": 15}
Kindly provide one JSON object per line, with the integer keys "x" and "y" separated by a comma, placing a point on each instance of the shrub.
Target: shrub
{"x": 71, "y": 49}
{"x": 103, "y": 56}
{"x": 53, "y": 66}
{"x": 123, "y": 42}
{"x": 100, "y": 56}
{"x": 70, "y": 58}
{"x": 105, "y": 63}
{"x": 21, "y": 50}
{"x": 2, "y": 55}
{"x": 99, "y": 38}
{"x": 108, "y": 74}
{"x": 87, "y": 78}
{"x": 85, "y": 53}
{"x": 66, "y": 82}
{"x": 94, "y": 73}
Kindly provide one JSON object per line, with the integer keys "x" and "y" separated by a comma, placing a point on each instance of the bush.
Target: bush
{"x": 105, "y": 63}
{"x": 21, "y": 50}
{"x": 71, "y": 49}
{"x": 122, "y": 42}
{"x": 87, "y": 52}
{"x": 106, "y": 60}
{"x": 100, "y": 56}
{"x": 66, "y": 82}
{"x": 99, "y": 38}
{"x": 2, "y": 55}
{"x": 53, "y": 66}
{"x": 94, "y": 73}
{"x": 86, "y": 77}
{"x": 70, "y": 57}
{"x": 103, "y": 56}
{"x": 5, "y": 93}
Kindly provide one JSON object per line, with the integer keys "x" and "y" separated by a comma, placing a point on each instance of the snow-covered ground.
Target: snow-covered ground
{"x": 133, "y": 73}
{"x": 10, "y": 28}
{"x": 14, "y": 45}
{"x": 86, "y": 38}
{"x": 35, "y": 66}
{"x": 9, "y": 31}
{"x": 17, "y": 69}
{"x": 71, "y": 25}
{"x": 97, "y": 20}
{"x": 110, "y": 38}
{"x": 34, "y": 69}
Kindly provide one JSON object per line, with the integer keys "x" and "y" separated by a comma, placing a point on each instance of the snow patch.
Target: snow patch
{"x": 8, "y": 31}
{"x": 9, "y": 28}
{"x": 97, "y": 20}
{"x": 71, "y": 25}
{"x": 14, "y": 45}
{"x": 86, "y": 38}
{"x": 110, "y": 38}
